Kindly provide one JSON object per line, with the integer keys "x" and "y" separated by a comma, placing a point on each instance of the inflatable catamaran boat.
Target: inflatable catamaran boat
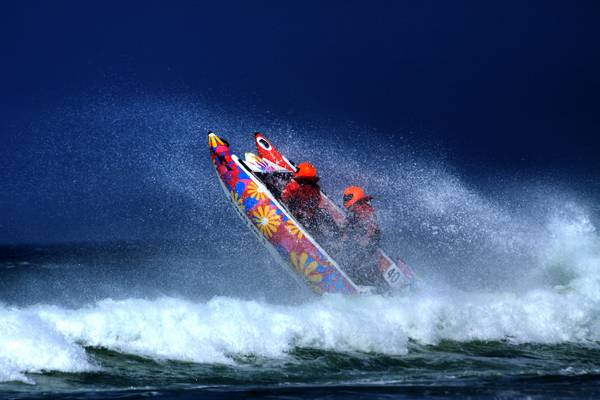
{"x": 250, "y": 186}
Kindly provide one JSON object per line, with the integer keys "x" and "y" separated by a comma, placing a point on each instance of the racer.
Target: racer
{"x": 362, "y": 237}
{"x": 302, "y": 195}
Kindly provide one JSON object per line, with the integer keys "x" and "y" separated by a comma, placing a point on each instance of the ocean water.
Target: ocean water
{"x": 124, "y": 320}
{"x": 508, "y": 306}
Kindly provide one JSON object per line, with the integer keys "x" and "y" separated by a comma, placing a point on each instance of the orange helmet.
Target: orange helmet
{"x": 306, "y": 171}
{"x": 354, "y": 194}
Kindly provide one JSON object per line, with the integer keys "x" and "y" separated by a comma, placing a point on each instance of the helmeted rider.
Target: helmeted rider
{"x": 302, "y": 195}
{"x": 362, "y": 225}
{"x": 362, "y": 228}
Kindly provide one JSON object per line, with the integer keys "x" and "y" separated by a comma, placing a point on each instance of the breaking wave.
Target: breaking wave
{"x": 28, "y": 343}
{"x": 564, "y": 308}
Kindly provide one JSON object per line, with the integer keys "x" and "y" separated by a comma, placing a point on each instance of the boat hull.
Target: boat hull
{"x": 274, "y": 226}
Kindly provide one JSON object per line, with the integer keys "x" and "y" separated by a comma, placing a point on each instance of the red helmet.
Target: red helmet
{"x": 306, "y": 171}
{"x": 354, "y": 194}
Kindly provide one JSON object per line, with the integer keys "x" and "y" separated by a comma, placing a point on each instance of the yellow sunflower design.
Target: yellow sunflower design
{"x": 309, "y": 269}
{"x": 266, "y": 219}
{"x": 255, "y": 192}
{"x": 293, "y": 229}
{"x": 237, "y": 200}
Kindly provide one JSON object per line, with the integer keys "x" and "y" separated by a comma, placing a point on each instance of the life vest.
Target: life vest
{"x": 302, "y": 198}
{"x": 362, "y": 225}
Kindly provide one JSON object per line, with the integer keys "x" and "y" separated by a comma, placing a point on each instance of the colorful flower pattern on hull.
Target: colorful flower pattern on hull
{"x": 276, "y": 226}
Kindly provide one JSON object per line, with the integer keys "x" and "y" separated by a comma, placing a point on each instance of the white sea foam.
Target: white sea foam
{"x": 30, "y": 344}
{"x": 564, "y": 306}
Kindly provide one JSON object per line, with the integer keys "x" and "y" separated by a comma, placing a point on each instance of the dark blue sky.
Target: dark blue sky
{"x": 500, "y": 86}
